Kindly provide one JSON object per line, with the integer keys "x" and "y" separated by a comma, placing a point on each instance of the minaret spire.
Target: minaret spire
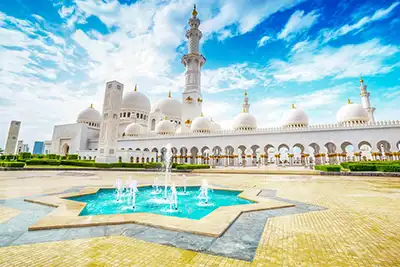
{"x": 193, "y": 61}
{"x": 364, "y": 94}
{"x": 246, "y": 105}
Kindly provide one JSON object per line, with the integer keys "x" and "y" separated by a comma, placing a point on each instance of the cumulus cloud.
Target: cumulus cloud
{"x": 346, "y": 61}
{"x": 379, "y": 14}
{"x": 263, "y": 41}
{"x": 297, "y": 23}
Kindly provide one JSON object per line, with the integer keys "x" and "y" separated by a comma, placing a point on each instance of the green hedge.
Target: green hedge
{"x": 12, "y": 164}
{"x": 73, "y": 157}
{"x": 328, "y": 168}
{"x": 127, "y": 165}
{"x": 356, "y": 167}
{"x": 53, "y": 162}
{"x": 25, "y": 155}
{"x": 153, "y": 165}
{"x": 53, "y": 156}
{"x": 388, "y": 168}
{"x": 9, "y": 157}
{"x": 192, "y": 166}
{"x": 38, "y": 156}
{"x": 80, "y": 163}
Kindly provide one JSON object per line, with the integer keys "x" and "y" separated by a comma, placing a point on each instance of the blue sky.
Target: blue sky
{"x": 55, "y": 56}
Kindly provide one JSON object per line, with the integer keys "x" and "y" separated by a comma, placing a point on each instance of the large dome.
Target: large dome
{"x": 294, "y": 118}
{"x": 136, "y": 100}
{"x": 165, "y": 127}
{"x": 215, "y": 127}
{"x": 351, "y": 112}
{"x": 89, "y": 114}
{"x": 133, "y": 129}
{"x": 201, "y": 124}
{"x": 170, "y": 107}
{"x": 245, "y": 121}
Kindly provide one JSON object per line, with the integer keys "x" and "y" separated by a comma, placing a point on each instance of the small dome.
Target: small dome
{"x": 201, "y": 124}
{"x": 165, "y": 127}
{"x": 351, "y": 112}
{"x": 245, "y": 121}
{"x": 89, "y": 114}
{"x": 215, "y": 127}
{"x": 183, "y": 129}
{"x": 136, "y": 100}
{"x": 294, "y": 118}
{"x": 133, "y": 129}
{"x": 170, "y": 107}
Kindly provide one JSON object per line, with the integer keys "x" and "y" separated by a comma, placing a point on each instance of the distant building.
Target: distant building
{"x": 38, "y": 147}
{"x": 25, "y": 148}
{"x": 20, "y": 146}
{"x": 12, "y": 137}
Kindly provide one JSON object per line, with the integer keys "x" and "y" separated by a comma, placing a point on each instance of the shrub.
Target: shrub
{"x": 53, "y": 162}
{"x": 2, "y": 157}
{"x": 388, "y": 168}
{"x": 345, "y": 164}
{"x": 127, "y": 165}
{"x": 175, "y": 165}
{"x": 52, "y": 156}
{"x": 192, "y": 166}
{"x": 328, "y": 168}
{"x": 366, "y": 167}
{"x": 102, "y": 165}
{"x": 10, "y": 157}
{"x": 24, "y": 155}
{"x": 12, "y": 164}
{"x": 38, "y": 156}
{"x": 153, "y": 165}
{"x": 79, "y": 163}
{"x": 73, "y": 157}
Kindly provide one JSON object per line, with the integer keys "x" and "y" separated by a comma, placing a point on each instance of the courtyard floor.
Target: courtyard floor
{"x": 349, "y": 221}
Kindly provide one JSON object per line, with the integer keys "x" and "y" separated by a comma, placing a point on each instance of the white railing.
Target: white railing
{"x": 309, "y": 128}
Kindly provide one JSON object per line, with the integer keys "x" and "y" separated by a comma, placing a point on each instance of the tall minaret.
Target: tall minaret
{"x": 108, "y": 139}
{"x": 193, "y": 61}
{"x": 365, "y": 100}
{"x": 246, "y": 105}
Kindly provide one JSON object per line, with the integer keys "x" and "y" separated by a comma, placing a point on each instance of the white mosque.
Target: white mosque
{"x": 129, "y": 130}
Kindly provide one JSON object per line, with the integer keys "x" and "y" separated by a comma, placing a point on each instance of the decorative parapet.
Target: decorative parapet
{"x": 273, "y": 130}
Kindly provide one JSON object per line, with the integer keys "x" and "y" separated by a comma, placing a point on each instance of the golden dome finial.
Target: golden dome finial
{"x": 169, "y": 94}
{"x": 201, "y": 114}
{"x": 194, "y": 12}
{"x": 91, "y": 105}
{"x": 361, "y": 80}
{"x": 135, "y": 88}
{"x": 293, "y": 106}
{"x": 165, "y": 118}
{"x": 245, "y": 92}
{"x": 348, "y": 101}
{"x": 211, "y": 119}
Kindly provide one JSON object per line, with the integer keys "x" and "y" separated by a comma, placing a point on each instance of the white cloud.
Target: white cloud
{"x": 320, "y": 105}
{"x": 239, "y": 17}
{"x": 378, "y": 15}
{"x": 263, "y": 41}
{"x": 234, "y": 77}
{"x": 297, "y": 23}
{"x": 65, "y": 12}
{"x": 347, "y": 61}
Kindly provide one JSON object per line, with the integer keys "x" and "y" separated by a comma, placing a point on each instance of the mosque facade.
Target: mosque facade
{"x": 129, "y": 129}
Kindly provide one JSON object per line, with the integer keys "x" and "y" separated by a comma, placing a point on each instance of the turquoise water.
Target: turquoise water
{"x": 189, "y": 206}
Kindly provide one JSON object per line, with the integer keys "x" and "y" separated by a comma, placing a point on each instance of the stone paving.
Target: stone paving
{"x": 359, "y": 227}
{"x": 240, "y": 241}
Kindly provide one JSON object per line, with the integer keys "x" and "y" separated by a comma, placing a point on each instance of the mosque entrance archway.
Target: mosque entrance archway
{"x": 65, "y": 149}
